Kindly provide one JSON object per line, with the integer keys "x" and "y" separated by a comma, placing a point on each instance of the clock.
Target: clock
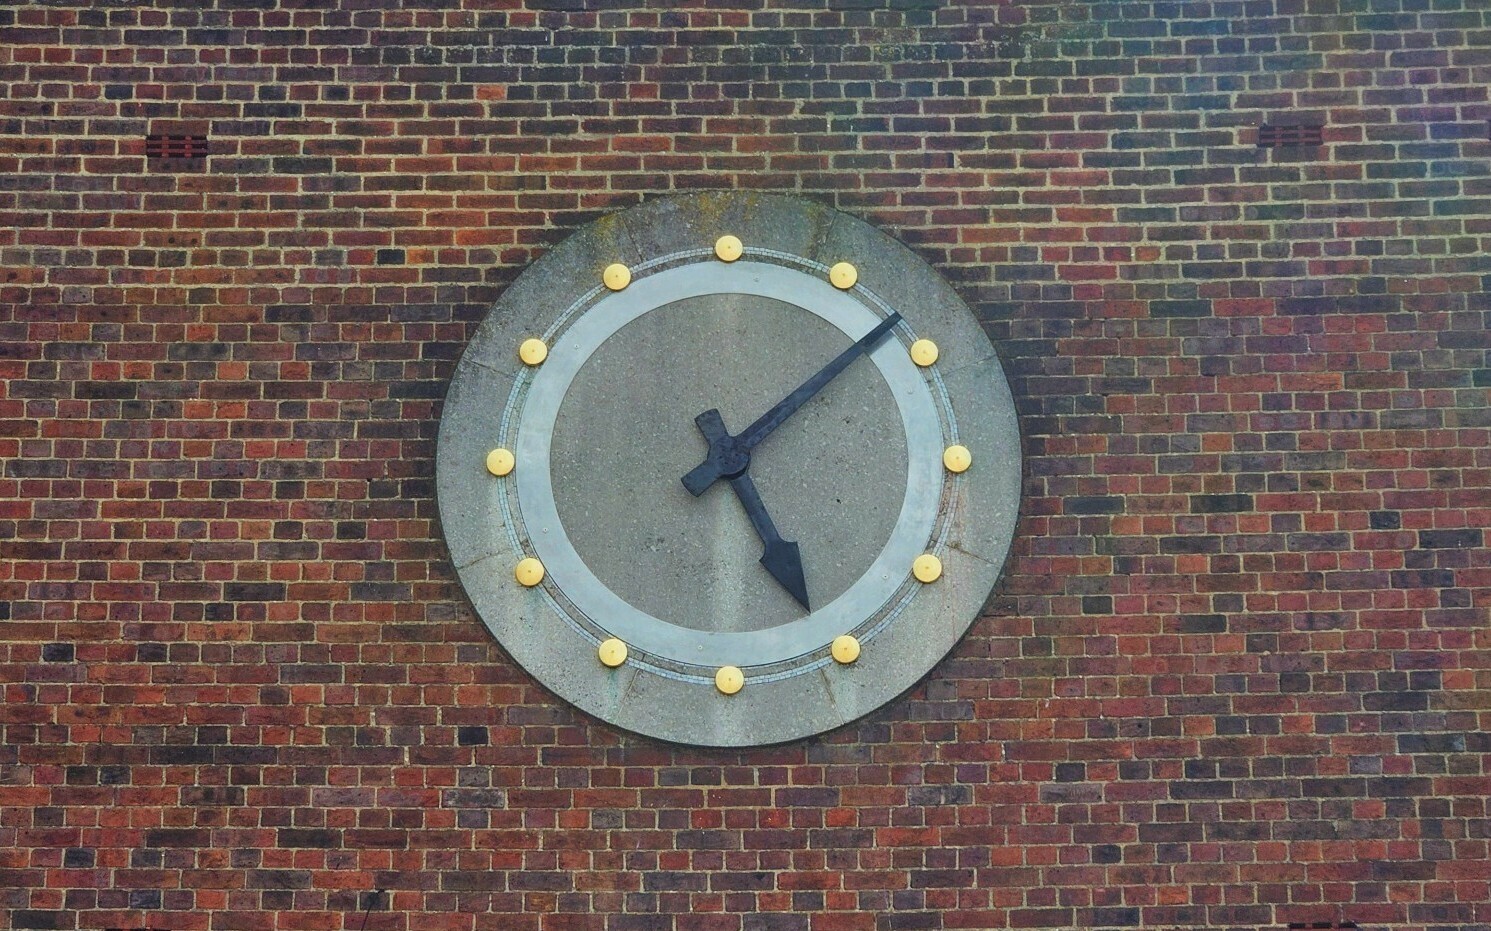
{"x": 728, "y": 469}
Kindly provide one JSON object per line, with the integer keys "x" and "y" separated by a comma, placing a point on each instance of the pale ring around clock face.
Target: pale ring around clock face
{"x": 701, "y": 646}
{"x": 678, "y": 645}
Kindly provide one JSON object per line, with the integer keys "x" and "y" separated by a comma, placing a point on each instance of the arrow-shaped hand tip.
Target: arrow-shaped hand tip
{"x": 784, "y": 561}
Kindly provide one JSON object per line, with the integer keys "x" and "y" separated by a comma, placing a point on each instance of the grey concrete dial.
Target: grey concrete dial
{"x": 653, "y": 610}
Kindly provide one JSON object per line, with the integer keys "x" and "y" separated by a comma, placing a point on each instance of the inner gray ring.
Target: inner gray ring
{"x": 566, "y": 570}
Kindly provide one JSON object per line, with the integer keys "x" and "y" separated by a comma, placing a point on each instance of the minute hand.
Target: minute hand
{"x": 709, "y": 471}
{"x": 786, "y": 407}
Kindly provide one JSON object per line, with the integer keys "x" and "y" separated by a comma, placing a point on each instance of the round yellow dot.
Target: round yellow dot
{"x": 843, "y": 276}
{"x": 728, "y": 248}
{"x": 957, "y": 458}
{"x": 845, "y": 649}
{"x": 924, "y": 352}
{"x": 533, "y": 351}
{"x": 500, "y": 461}
{"x": 926, "y": 568}
{"x": 729, "y": 680}
{"x": 613, "y": 652}
{"x": 529, "y": 572}
{"x": 616, "y": 276}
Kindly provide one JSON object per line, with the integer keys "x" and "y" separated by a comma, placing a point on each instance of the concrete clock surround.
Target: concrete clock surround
{"x": 603, "y": 427}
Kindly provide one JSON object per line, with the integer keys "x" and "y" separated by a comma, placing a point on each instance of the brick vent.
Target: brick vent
{"x": 167, "y": 146}
{"x": 1273, "y": 137}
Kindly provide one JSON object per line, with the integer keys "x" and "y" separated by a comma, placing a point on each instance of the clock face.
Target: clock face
{"x": 703, "y": 474}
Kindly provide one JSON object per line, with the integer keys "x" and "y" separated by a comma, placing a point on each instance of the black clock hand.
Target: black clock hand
{"x": 730, "y": 456}
{"x": 782, "y": 557}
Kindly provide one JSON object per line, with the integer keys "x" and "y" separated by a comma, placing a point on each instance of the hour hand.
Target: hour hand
{"x": 781, "y": 558}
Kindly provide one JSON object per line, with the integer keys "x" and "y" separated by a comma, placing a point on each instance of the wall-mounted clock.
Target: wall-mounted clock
{"x": 728, "y": 469}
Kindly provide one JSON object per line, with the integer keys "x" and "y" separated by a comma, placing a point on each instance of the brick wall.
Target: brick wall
{"x": 1236, "y": 676}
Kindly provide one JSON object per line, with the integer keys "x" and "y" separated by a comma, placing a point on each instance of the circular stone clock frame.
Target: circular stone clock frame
{"x": 792, "y": 679}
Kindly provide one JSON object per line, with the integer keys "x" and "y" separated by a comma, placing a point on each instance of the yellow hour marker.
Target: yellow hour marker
{"x": 616, "y": 276}
{"x": 843, "y": 276}
{"x": 927, "y": 568}
{"x": 500, "y": 461}
{"x": 613, "y": 652}
{"x": 845, "y": 649}
{"x": 924, "y": 352}
{"x": 529, "y": 571}
{"x": 957, "y": 458}
{"x": 729, "y": 680}
{"x": 728, "y": 248}
{"x": 533, "y": 351}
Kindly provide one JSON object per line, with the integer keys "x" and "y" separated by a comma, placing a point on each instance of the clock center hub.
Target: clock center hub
{"x": 730, "y": 457}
